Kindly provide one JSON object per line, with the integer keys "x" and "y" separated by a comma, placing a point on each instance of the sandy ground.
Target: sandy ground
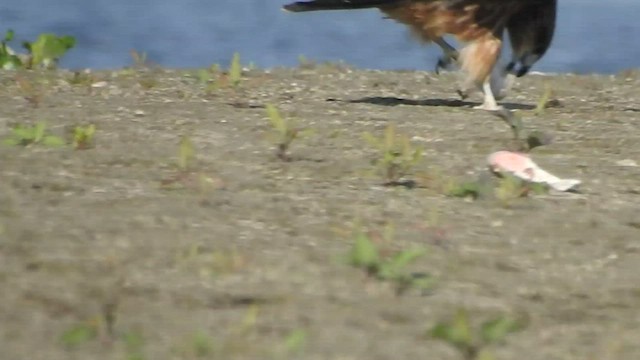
{"x": 104, "y": 256}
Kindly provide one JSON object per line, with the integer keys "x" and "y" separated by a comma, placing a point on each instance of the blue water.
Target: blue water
{"x": 592, "y": 35}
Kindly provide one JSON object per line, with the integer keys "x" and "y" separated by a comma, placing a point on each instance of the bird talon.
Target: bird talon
{"x": 445, "y": 62}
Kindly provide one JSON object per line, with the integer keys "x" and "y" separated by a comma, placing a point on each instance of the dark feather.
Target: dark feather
{"x": 317, "y": 5}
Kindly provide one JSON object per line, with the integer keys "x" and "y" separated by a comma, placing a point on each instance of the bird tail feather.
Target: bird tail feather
{"x": 317, "y": 5}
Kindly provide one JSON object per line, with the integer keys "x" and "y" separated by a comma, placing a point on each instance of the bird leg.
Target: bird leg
{"x": 489, "y": 103}
{"x": 448, "y": 58}
{"x": 478, "y": 59}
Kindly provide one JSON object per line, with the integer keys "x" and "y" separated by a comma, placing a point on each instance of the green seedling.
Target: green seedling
{"x": 365, "y": 255}
{"x": 81, "y": 78}
{"x": 80, "y": 334}
{"x": 186, "y": 154}
{"x": 396, "y": 156}
{"x": 9, "y": 60}
{"x": 202, "y": 345}
{"x": 22, "y": 135}
{"x": 235, "y": 70}
{"x": 83, "y": 137}
{"x": 474, "y": 343}
{"x": 285, "y": 132}
{"x": 544, "y": 100}
{"x": 511, "y": 188}
{"x": 209, "y": 263}
{"x": 139, "y": 59}
{"x": 305, "y": 63}
{"x": 186, "y": 176}
{"x": 237, "y": 341}
{"x": 48, "y": 49}
{"x": 199, "y": 345}
{"x": 527, "y": 141}
{"x": 295, "y": 341}
{"x": 134, "y": 345}
{"x": 31, "y": 92}
{"x": 291, "y": 346}
{"x": 45, "y": 52}
{"x": 204, "y": 76}
{"x": 209, "y": 77}
{"x": 147, "y": 81}
{"x": 466, "y": 189}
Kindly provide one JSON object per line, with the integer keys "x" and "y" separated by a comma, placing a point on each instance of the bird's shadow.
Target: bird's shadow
{"x": 394, "y": 101}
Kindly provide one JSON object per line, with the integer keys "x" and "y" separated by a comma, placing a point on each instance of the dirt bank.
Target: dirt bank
{"x": 112, "y": 252}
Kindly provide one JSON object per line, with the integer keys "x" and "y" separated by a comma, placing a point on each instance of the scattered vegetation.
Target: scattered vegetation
{"x": 505, "y": 189}
{"x": 186, "y": 176}
{"x": 30, "y": 91}
{"x": 26, "y": 135}
{"x": 474, "y": 343}
{"x": 140, "y": 60}
{"x": 134, "y": 345}
{"x": 367, "y": 256}
{"x": 44, "y": 52}
{"x": 284, "y": 132}
{"x": 511, "y": 188}
{"x": 547, "y": 100}
{"x": 147, "y": 81}
{"x": 83, "y": 137}
{"x": 465, "y": 189}
{"x": 84, "y": 78}
{"x": 209, "y": 263}
{"x": 214, "y": 78}
{"x": 235, "y": 70}
{"x": 209, "y": 77}
{"x": 145, "y": 70}
{"x": 80, "y": 333}
{"x": 396, "y": 156}
{"x": 305, "y": 63}
{"x": 293, "y": 343}
{"x": 199, "y": 345}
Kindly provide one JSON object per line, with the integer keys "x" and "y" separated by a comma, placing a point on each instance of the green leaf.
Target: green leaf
{"x": 295, "y": 341}
{"x": 133, "y": 340}
{"x": 202, "y": 345}
{"x": 423, "y": 281}
{"x": 389, "y": 137}
{"x": 186, "y": 153}
{"x": 10, "y": 61}
{"x": 497, "y": 329}
{"x": 23, "y": 135}
{"x": 392, "y": 267}
{"x": 372, "y": 140}
{"x": 235, "y": 71}
{"x": 11, "y": 141}
{"x": 364, "y": 253}
{"x": 465, "y": 189}
{"x": 49, "y": 47}
{"x": 457, "y": 333}
{"x": 485, "y": 354}
{"x": 544, "y": 100}
{"x": 78, "y": 335}
{"x": 51, "y": 140}
{"x": 39, "y": 130}
{"x": 8, "y": 36}
{"x": 276, "y": 119}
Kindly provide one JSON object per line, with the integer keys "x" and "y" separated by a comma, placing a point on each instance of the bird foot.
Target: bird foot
{"x": 489, "y": 107}
{"x": 464, "y": 94}
{"x": 446, "y": 62}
